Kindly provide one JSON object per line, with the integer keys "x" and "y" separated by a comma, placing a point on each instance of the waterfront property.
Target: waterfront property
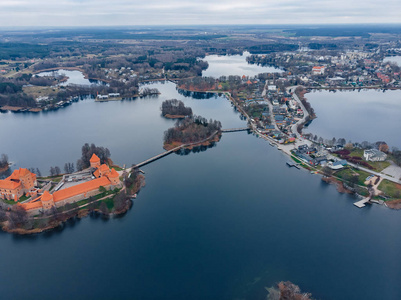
{"x": 20, "y": 182}
{"x": 104, "y": 177}
{"x": 374, "y": 155}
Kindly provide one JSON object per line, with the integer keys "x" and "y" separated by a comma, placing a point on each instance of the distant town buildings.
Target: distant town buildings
{"x": 318, "y": 70}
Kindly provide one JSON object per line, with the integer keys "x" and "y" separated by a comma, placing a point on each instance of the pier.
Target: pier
{"x": 292, "y": 164}
{"x": 362, "y": 203}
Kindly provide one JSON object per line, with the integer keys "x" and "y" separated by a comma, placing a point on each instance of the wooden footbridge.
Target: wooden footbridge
{"x": 156, "y": 157}
{"x": 235, "y": 129}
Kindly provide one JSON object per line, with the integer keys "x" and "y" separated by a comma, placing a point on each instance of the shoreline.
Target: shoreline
{"x": 168, "y": 116}
{"x": 80, "y": 214}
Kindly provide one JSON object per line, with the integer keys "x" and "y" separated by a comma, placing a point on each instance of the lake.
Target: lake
{"x": 225, "y": 65}
{"x": 396, "y": 59}
{"x": 367, "y": 115}
{"x": 218, "y": 224}
{"x": 56, "y": 137}
{"x": 74, "y": 77}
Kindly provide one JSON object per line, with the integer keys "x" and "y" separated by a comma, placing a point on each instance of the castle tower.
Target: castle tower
{"x": 114, "y": 177}
{"x": 47, "y": 200}
{"x": 95, "y": 161}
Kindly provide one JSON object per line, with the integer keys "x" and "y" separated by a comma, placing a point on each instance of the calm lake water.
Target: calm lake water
{"x": 74, "y": 77}
{"x": 396, "y": 59}
{"x": 219, "y": 224}
{"x": 358, "y": 116}
{"x": 233, "y": 65}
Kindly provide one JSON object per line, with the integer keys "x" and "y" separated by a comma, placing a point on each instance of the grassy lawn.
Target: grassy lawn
{"x": 391, "y": 189}
{"x": 357, "y": 152}
{"x": 10, "y": 202}
{"x": 347, "y": 172}
{"x": 117, "y": 168}
{"x": 23, "y": 198}
{"x": 379, "y": 165}
{"x": 296, "y": 159}
{"x": 109, "y": 202}
{"x": 52, "y": 178}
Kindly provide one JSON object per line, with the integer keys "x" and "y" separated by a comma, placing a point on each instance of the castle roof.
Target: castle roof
{"x": 46, "y": 196}
{"x": 9, "y": 184}
{"x": 18, "y": 173}
{"x": 35, "y": 204}
{"x": 80, "y": 189}
{"x": 94, "y": 158}
{"x": 104, "y": 168}
{"x": 113, "y": 173}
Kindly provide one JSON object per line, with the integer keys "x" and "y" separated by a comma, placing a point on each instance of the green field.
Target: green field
{"x": 391, "y": 189}
{"x": 346, "y": 173}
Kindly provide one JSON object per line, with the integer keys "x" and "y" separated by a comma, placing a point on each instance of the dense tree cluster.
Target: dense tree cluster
{"x": 120, "y": 201}
{"x": 69, "y": 168}
{"x": 149, "y": 91}
{"x": 175, "y": 107}
{"x": 191, "y": 130}
{"x": 200, "y": 84}
{"x": 4, "y": 161}
{"x": 88, "y": 151}
{"x": 55, "y": 171}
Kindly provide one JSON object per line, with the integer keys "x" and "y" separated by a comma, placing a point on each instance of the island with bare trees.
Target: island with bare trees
{"x": 191, "y": 132}
{"x": 175, "y": 109}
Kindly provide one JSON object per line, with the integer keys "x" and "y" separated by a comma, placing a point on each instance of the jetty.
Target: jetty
{"x": 362, "y": 203}
{"x": 292, "y": 164}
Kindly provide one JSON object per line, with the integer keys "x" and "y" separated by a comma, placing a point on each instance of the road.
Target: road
{"x": 306, "y": 114}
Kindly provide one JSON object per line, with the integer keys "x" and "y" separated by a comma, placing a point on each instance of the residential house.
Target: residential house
{"x": 374, "y": 155}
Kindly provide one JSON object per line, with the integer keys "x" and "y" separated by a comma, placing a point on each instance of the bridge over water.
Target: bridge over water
{"x": 156, "y": 157}
{"x": 235, "y": 129}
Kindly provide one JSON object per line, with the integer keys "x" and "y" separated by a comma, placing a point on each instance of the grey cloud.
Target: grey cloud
{"x": 124, "y": 12}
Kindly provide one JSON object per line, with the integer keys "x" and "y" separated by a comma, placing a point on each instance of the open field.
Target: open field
{"x": 391, "y": 189}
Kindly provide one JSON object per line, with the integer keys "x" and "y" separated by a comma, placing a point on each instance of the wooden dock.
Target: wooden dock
{"x": 362, "y": 203}
{"x": 292, "y": 164}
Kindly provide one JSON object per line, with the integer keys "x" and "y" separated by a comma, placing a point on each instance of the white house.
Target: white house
{"x": 374, "y": 155}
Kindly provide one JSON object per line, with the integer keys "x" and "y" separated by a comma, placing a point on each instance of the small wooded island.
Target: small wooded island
{"x": 175, "y": 109}
{"x": 191, "y": 132}
{"x": 4, "y": 164}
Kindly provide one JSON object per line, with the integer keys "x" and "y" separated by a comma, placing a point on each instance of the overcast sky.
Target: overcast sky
{"x": 171, "y": 12}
